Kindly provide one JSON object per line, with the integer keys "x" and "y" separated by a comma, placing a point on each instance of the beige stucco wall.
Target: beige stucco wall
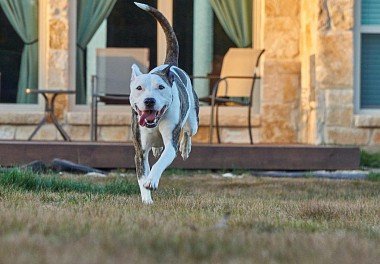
{"x": 307, "y": 94}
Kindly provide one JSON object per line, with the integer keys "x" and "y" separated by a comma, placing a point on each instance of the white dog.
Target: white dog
{"x": 164, "y": 104}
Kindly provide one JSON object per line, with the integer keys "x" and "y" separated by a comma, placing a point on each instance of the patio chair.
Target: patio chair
{"x": 110, "y": 85}
{"x": 234, "y": 86}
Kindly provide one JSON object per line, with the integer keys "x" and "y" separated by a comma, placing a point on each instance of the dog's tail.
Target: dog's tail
{"x": 172, "y": 49}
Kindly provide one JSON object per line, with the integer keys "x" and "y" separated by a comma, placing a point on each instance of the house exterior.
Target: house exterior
{"x": 314, "y": 87}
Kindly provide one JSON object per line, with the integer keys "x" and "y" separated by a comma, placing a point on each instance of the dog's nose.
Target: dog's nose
{"x": 149, "y": 102}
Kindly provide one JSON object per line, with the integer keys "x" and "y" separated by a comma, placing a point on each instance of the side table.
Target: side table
{"x": 49, "y": 110}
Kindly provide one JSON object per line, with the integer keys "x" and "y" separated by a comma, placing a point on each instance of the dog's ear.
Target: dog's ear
{"x": 169, "y": 76}
{"x": 135, "y": 72}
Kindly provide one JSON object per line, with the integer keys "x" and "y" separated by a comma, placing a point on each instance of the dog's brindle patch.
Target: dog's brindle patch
{"x": 183, "y": 78}
{"x": 196, "y": 104}
{"x": 166, "y": 75}
{"x": 139, "y": 155}
{"x": 184, "y": 108}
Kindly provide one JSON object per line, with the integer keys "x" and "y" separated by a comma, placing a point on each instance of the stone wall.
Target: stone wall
{"x": 282, "y": 68}
{"x": 336, "y": 120}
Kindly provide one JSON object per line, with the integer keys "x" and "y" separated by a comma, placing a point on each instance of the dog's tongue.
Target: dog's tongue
{"x": 148, "y": 116}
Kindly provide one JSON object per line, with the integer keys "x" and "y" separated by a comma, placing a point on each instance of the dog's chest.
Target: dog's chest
{"x": 151, "y": 137}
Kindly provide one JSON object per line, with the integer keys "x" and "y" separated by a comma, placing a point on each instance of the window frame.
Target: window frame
{"x": 43, "y": 38}
{"x": 360, "y": 29}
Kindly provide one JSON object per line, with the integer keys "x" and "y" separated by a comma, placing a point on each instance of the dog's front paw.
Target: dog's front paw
{"x": 147, "y": 200}
{"x": 151, "y": 184}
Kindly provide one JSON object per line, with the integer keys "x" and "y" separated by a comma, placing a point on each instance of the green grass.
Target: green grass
{"x": 371, "y": 160}
{"x": 270, "y": 220}
{"x": 27, "y": 180}
{"x": 374, "y": 176}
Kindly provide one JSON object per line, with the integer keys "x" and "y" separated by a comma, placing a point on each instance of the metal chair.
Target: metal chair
{"x": 110, "y": 85}
{"x": 234, "y": 86}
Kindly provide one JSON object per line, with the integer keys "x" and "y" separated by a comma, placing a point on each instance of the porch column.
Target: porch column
{"x": 202, "y": 45}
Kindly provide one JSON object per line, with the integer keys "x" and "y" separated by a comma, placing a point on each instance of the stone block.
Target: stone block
{"x": 114, "y": 133}
{"x": 282, "y": 37}
{"x": 341, "y": 14}
{"x": 280, "y": 88}
{"x": 23, "y": 132}
{"x": 123, "y": 117}
{"x": 367, "y": 121}
{"x": 7, "y": 132}
{"x": 272, "y": 66}
{"x": 238, "y": 135}
{"x": 375, "y": 139}
{"x": 279, "y": 131}
{"x": 232, "y": 116}
{"x": 334, "y": 67}
{"x": 20, "y": 118}
{"x": 271, "y": 92}
{"x": 203, "y": 134}
{"x": 339, "y": 116}
{"x": 47, "y": 132}
{"x": 290, "y": 84}
{"x": 78, "y": 118}
{"x": 346, "y": 136}
{"x": 339, "y": 97}
{"x": 58, "y": 34}
{"x": 58, "y": 59}
{"x": 78, "y": 133}
{"x": 57, "y": 78}
{"x": 278, "y": 112}
{"x": 58, "y": 8}
{"x": 282, "y": 8}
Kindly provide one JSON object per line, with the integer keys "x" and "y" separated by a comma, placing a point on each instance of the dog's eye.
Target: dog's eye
{"x": 139, "y": 88}
{"x": 161, "y": 87}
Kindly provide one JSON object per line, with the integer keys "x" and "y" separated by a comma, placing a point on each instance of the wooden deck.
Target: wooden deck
{"x": 203, "y": 156}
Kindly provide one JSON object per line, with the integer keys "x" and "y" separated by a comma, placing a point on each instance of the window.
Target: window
{"x": 367, "y": 54}
{"x": 18, "y": 50}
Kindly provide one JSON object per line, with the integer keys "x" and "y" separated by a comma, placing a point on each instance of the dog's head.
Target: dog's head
{"x": 151, "y": 94}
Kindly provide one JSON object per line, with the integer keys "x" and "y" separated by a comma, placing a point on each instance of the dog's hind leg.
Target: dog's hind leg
{"x": 185, "y": 146}
{"x": 157, "y": 152}
{"x": 189, "y": 130}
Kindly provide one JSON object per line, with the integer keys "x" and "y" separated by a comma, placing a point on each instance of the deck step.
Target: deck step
{"x": 203, "y": 156}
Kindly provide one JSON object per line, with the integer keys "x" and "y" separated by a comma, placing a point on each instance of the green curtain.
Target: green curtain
{"x": 90, "y": 15}
{"x": 23, "y": 16}
{"x": 235, "y": 16}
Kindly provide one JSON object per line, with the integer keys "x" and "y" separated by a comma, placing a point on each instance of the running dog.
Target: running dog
{"x": 164, "y": 107}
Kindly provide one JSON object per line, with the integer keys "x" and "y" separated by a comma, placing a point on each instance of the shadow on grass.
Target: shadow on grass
{"x": 26, "y": 180}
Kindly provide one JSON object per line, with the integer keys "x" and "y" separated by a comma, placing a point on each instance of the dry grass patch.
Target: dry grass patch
{"x": 271, "y": 220}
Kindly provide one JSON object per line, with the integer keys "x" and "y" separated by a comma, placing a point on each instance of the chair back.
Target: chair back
{"x": 113, "y": 69}
{"x": 240, "y": 62}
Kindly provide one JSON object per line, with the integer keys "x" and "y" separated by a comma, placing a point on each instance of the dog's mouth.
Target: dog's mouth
{"x": 150, "y": 118}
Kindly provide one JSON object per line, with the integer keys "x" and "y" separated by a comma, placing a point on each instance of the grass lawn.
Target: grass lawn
{"x": 66, "y": 220}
